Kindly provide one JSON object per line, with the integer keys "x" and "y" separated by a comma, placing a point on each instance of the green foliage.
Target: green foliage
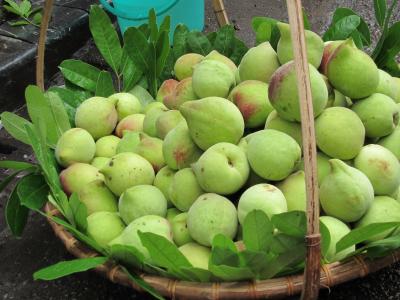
{"x": 65, "y": 268}
{"x": 26, "y": 13}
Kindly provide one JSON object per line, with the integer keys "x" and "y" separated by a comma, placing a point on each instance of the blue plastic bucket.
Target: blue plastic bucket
{"x": 134, "y": 12}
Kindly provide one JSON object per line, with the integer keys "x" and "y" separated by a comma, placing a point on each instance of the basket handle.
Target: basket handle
{"x": 220, "y": 12}
{"x": 48, "y": 7}
{"x": 313, "y": 237}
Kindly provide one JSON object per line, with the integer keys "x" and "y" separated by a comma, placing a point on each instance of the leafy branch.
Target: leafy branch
{"x": 25, "y": 12}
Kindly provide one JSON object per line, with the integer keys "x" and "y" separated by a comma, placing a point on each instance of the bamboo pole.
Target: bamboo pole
{"x": 220, "y": 12}
{"x": 48, "y": 7}
{"x": 312, "y": 269}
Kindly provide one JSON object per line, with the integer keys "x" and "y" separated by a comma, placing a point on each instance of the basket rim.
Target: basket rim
{"x": 331, "y": 274}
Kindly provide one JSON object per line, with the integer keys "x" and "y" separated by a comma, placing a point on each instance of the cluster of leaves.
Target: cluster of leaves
{"x": 145, "y": 59}
{"x": 348, "y": 24}
{"x": 24, "y": 11}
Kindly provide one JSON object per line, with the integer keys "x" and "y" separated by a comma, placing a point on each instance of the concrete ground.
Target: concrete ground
{"x": 38, "y": 247}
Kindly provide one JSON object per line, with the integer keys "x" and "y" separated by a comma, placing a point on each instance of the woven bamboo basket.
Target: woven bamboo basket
{"x": 315, "y": 276}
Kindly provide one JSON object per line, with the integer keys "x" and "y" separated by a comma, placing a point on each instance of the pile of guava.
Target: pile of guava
{"x": 223, "y": 140}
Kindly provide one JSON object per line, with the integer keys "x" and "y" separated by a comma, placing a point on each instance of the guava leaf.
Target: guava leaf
{"x": 105, "y": 37}
{"x": 15, "y": 126}
{"x": 32, "y": 191}
{"x": 293, "y": 223}
{"x": 359, "y": 235}
{"x": 224, "y": 40}
{"x": 257, "y": 231}
{"x": 80, "y": 74}
{"x": 197, "y": 42}
{"x": 65, "y": 268}
{"x": 16, "y": 215}
{"x": 179, "y": 41}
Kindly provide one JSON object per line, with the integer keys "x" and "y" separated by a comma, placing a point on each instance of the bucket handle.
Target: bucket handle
{"x": 124, "y": 15}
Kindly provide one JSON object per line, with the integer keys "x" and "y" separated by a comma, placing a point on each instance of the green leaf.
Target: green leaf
{"x": 165, "y": 25}
{"x": 229, "y": 273}
{"x": 389, "y": 243}
{"x": 67, "y": 96}
{"x": 153, "y": 25}
{"x": 362, "y": 234}
{"x": 11, "y": 9}
{"x": 168, "y": 71}
{"x": 15, "y": 8}
{"x": 325, "y": 239}
{"x": 37, "y": 136}
{"x": 293, "y": 223}
{"x": 393, "y": 68}
{"x": 264, "y": 27}
{"x": 357, "y": 39}
{"x": 179, "y": 42}
{"x": 224, "y": 252}
{"x": 257, "y": 21}
{"x": 59, "y": 113}
{"x": 162, "y": 51}
{"x": 282, "y": 243}
{"x": 289, "y": 258}
{"x": 79, "y": 212}
{"x": 128, "y": 255}
{"x": 105, "y": 37}
{"x": 342, "y": 29}
{"x": 37, "y": 18}
{"x": 25, "y": 7}
{"x": 382, "y": 38}
{"x": 130, "y": 73}
{"x": 197, "y": 42}
{"x": 163, "y": 252}
{"x": 49, "y": 111}
{"x": 18, "y": 23}
{"x": 380, "y": 7}
{"x": 78, "y": 234}
{"x": 257, "y": 231}
{"x": 390, "y": 47}
{"x": 142, "y": 94}
{"x": 275, "y": 37}
{"x": 15, "y": 126}
{"x": 263, "y": 33}
{"x": 80, "y": 93}
{"x": 16, "y": 214}
{"x": 65, "y": 268}
{"x": 80, "y": 73}
{"x": 104, "y": 85}
{"x": 211, "y": 36}
{"x": 239, "y": 51}
{"x": 138, "y": 48}
{"x": 143, "y": 284}
{"x": 151, "y": 74}
{"x": 35, "y": 10}
{"x": 15, "y": 165}
{"x": 363, "y": 29}
{"x": 257, "y": 261}
{"x": 197, "y": 274}
{"x": 32, "y": 191}
{"x": 144, "y": 28}
{"x": 306, "y": 22}
{"x": 225, "y": 40}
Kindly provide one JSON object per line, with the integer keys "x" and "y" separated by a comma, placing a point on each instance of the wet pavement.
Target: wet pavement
{"x": 38, "y": 247}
